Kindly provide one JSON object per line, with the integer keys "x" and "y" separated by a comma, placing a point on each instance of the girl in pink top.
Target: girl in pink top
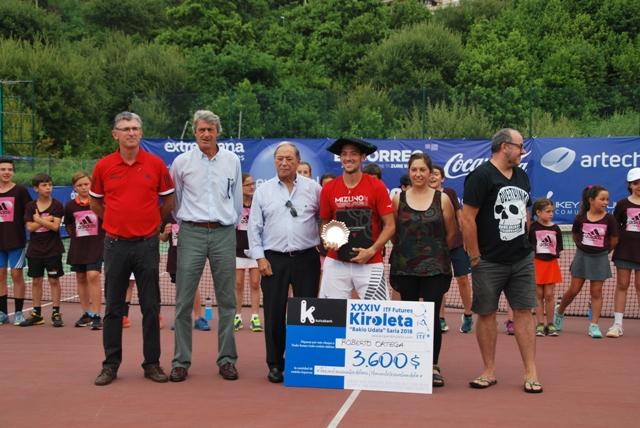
{"x": 596, "y": 234}
{"x": 627, "y": 254}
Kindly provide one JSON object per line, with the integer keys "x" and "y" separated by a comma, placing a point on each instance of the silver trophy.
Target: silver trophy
{"x": 335, "y": 234}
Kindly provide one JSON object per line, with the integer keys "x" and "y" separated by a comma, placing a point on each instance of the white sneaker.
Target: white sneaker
{"x": 18, "y": 318}
{"x": 615, "y": 331}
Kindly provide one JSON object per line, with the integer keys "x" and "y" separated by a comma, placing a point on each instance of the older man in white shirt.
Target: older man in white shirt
{"x": 208, "y": 185}
{"x": 283, "y": 238}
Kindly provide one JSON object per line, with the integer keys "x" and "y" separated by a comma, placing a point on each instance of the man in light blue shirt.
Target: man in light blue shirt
{"x": 283, "y": 238}
{"x": 208, "y": 183}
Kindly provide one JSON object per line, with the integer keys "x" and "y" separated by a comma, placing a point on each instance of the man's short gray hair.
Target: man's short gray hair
{"x": 288, "y": 143}
{"x": 126, "y": 115}
{"x": 207, "y": 117}
{"x": 505, "y": 135}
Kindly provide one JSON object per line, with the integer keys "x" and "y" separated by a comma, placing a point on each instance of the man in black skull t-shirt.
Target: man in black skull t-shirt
{"x": 495, "y": 218}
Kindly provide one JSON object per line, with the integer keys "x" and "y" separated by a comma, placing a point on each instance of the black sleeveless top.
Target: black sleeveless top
{"x": 420, "y": 247}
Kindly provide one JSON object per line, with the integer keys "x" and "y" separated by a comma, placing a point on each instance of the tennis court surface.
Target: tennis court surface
{"x": 47, "y": 380}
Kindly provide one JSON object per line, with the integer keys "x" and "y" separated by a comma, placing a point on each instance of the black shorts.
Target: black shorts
{"x": 53, "y": 266}
{"x": 83, "y": 268}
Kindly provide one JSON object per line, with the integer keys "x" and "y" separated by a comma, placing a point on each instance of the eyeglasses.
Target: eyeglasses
{"x": 519, "y": 146}
{"x": 292, "y": 210}
{"x": 133, "y": 129}
{"x": 248, "y": 184}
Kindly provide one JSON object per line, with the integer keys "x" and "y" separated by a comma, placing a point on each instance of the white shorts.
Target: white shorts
{"x": 244, "y": 263}
{"x": 340, "y": 278}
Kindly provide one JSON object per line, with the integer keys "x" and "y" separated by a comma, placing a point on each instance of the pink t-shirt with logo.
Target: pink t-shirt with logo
{"x": 86, "y": 223}
{"x": 594, "y": 236}
{"x": 547, "y": 240}
{"x": 627, "y": 216}
{"x": 7, "y": 209}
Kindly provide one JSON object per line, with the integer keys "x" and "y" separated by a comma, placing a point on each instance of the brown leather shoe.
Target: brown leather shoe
{"x": 228, "y": 371}
{"x": 178, "y": 374}
{"x": 106, "y": 376}
{"x": 156, "y": 374}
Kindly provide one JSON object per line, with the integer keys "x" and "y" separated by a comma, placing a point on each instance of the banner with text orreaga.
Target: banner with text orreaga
{"x": 559, "y": 167}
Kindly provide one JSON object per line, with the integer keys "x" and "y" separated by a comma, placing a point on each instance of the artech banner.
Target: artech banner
{"x": 558, "y": 167}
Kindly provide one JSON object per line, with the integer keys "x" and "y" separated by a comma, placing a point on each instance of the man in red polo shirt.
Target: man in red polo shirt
{"x": 124, "y": 192}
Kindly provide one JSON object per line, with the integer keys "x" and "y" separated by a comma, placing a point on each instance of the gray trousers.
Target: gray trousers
{"x": 195, "y": 246}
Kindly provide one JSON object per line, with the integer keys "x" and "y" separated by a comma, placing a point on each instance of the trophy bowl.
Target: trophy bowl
{"x": 335, "y": 233}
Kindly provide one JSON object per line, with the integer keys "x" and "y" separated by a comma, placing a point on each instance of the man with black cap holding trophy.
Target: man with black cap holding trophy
{"x": 361, "y": 204}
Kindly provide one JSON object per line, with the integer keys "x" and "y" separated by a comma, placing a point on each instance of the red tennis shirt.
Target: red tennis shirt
{"x": 130, "y": 193}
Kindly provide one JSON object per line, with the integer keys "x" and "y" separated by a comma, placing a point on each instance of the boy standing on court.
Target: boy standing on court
{"x": 44, "y": 252}
{"x": 13, "y": 199}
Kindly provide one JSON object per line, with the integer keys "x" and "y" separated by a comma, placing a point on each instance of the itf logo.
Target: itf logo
{"x": 306, "y": 314}
{"x": 558, "y": 160}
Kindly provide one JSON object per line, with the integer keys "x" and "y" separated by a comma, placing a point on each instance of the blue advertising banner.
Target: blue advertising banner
{"x": 558, "y": 167}
{"x": 358, "y": 344}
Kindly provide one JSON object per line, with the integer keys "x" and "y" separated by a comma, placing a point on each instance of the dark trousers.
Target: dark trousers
{"x": 121, "y": 258}
{"x": 302, "y": 271}
{"x": 431, "y": 289}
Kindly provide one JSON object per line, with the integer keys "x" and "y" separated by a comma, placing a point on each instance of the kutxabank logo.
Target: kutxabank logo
{"x": 559, "y": 159}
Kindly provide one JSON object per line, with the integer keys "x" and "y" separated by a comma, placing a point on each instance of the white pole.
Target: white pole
{"x": 240, "y": 124}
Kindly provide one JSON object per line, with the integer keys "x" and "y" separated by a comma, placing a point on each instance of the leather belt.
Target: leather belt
{"x": 291, "y": 253}
{"x": 205, "y": 224}
{"x": 130, "y": 239}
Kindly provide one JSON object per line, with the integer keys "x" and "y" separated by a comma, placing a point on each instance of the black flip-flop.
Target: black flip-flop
{"x": 482, "y": 382}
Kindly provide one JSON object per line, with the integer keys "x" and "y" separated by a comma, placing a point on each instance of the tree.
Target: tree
{"x": 365, "y": 112}
{"x": 422, "y": 56}
{"x": 20, "y": 20}
{"x": 132, "y": 17}
{"x": 197, "y": 23}
{"x": 404, "y": 13}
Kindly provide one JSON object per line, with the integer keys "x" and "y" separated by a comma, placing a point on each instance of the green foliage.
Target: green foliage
{"x": 366, "y": 112}
{"x": 67, "y": 88}
{"x": 155, "y": 113}
{"x": 241, "y": 111}
{"x": 60, "y": 170}
{"x": 424, "y": 55}
{"x": 546, "y": 125}
{"x": 140, "y": 17}
{"x": 623, "y": 123}
{"x": 444, "y": 120}
{"x": 318, "y": 68}
{"x": 338, "y": 33}
{"x": 460, "y": 19}
{"x": 196, "y": 23}
{"x": 403, "y": 13}
{"x": 19, "y": 19}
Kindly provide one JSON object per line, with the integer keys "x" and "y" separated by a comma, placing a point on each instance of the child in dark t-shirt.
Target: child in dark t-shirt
{"x": 546, "y": 239}
{"x": 595, "y": 233}
{"x": 13, "y": 199}
{"x": 44, "y": 252}
{"x": 86, "y": 244}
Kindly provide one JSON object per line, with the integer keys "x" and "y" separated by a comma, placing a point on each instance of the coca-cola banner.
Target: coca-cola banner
{"x": 558, "y": 167}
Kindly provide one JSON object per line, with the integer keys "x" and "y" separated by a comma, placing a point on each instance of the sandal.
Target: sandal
{"x": 532, "y": 386}
{"x": 438, "y": 380}
{"x": 482, "y": 382}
